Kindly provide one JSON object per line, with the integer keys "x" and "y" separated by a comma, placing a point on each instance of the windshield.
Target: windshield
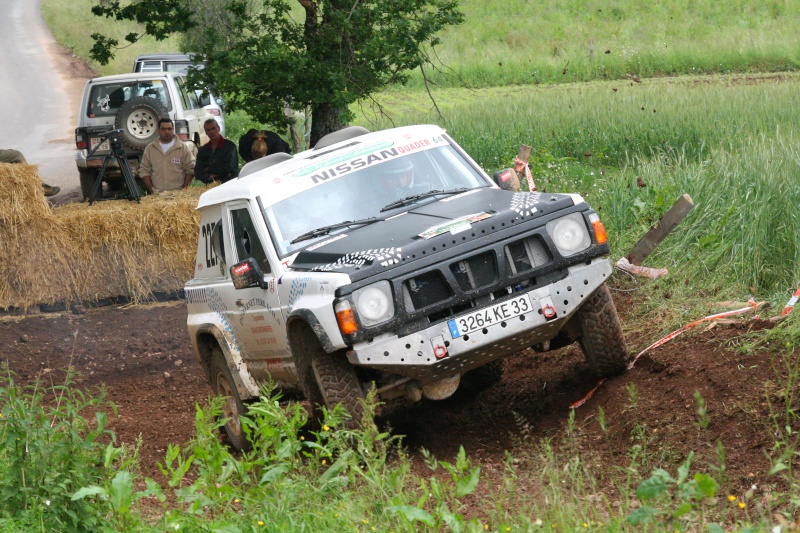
{"x": 106, "y": 99}
{"x": 362, "y": 194}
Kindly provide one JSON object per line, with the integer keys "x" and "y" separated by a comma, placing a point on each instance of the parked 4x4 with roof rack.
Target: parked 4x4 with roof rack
{"x": 389, "y": 261}
{"x": 132, "y": 103}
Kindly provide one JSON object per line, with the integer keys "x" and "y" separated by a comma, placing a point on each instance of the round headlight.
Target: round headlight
{"x": 373, "y": 304}
{"x": 569, "y": 234}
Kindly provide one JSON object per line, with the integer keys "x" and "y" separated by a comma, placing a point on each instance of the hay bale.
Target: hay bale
{"x": 21, "y": 197}
{"x": 79, "y": 253}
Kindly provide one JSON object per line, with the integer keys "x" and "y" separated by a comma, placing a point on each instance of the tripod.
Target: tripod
{"x": 117, "y": 153}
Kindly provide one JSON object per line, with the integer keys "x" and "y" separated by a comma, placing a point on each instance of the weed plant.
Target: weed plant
{"x": 49, "y": 449}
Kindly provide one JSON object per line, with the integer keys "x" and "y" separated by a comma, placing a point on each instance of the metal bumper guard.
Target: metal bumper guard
{"x": 434, "y": 353}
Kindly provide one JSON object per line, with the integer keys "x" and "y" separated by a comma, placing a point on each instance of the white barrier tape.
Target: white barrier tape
{"x": 790, "y": 304}
{"x": 653, "y": 273}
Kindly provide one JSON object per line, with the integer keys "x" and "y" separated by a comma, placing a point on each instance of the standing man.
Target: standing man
{"x": 217, "y": 160}
{"x": 167, "y": 163}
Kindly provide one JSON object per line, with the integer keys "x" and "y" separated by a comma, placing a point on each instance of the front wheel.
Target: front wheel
{"x": 338, "y": 384}
{"x": 601, "y": 337}
{"x": 233, "y": 408}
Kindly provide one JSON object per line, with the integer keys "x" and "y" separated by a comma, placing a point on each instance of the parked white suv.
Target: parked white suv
{"x": 389, "y": 261}
{"x": 180, "y": 63}
{"x": 132, "y": 103}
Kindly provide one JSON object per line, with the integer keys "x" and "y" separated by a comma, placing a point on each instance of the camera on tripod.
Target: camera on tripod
{"x": 116, "y": 152}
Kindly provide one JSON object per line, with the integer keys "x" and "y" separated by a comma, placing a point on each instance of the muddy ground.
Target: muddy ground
{"x": 142, "y": 355}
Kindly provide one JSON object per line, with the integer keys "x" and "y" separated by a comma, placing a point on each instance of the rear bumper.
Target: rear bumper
{"x": 435, "y": 353}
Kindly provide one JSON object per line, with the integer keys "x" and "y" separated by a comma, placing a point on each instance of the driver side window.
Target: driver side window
{"x": 246, "y": 239}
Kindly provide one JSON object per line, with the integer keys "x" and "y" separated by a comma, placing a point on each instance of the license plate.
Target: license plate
{"x": 104, "y": 147}
{"x": 489, "y": 316}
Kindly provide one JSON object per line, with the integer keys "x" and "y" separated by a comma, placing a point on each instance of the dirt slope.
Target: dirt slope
{"x": 143, "y": 356}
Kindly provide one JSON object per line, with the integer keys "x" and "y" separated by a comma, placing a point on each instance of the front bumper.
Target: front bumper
{"x": 433, "y": 353}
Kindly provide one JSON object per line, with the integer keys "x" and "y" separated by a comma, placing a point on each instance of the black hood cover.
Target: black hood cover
{"x": 365, "y": 251}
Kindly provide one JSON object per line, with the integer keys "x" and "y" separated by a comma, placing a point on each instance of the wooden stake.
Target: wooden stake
{"x": 659, "y": 232}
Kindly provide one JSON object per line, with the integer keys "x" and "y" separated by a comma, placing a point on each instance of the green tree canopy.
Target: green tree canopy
{"x": 263, "y": 55}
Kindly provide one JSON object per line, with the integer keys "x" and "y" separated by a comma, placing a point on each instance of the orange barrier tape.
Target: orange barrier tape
{"x": 518, "y": 166}
{"x": 790, "y": 304}
{"x": 753, "y": 306}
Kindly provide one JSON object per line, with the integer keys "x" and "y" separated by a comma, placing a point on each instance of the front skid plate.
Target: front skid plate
{"x": 413, "y": 355}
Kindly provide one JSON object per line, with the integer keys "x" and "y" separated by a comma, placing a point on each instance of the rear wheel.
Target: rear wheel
{"x": 88, "y": 177}
{"x": 233, "y": 408}
{"x": 601, "y": 337}
{"x": 338, "y": 384}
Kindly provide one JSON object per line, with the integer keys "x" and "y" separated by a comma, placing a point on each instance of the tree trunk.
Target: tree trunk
{"x": 324, "y": 120}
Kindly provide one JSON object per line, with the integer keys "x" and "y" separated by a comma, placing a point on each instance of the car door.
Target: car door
{"x": 255, "y": 313}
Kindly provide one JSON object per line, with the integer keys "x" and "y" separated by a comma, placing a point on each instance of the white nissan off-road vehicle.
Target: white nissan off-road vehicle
{"x": 389, "y": 261}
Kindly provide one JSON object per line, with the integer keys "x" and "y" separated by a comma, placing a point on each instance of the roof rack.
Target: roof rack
{"x": 263, "y": 162}
{"x": 339, "y": 136}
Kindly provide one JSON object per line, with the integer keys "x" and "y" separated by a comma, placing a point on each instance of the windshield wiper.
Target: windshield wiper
{"x": 324, "y": 230}
{"x": 414, "y": 197}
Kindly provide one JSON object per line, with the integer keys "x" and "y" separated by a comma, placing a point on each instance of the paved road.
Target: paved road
{"x": 36, "y": 94}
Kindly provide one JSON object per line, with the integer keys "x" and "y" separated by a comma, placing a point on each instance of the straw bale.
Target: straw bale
{"x": 84, "y": 253}
{"x": 21, "y": 197}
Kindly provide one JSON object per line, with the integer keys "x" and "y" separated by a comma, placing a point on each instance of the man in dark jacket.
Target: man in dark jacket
{"x": 217, "y": 159}
{"x": 274, "y": 144}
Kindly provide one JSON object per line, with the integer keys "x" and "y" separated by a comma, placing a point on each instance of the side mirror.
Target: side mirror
{"x": 507, "y": 179}
{"x": 247, "y": 274}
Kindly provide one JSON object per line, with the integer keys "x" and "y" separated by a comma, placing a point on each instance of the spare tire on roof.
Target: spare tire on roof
{"x": 138, "y": 120}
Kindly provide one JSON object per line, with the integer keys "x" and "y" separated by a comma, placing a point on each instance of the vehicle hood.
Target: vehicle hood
{"x": 364, "y": 251}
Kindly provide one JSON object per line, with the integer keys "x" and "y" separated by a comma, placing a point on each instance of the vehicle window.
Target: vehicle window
{"x": 106, "y": 99}
{"x": 246, "y": 239}
{"x": 177, "y": 68}
{"x": 363, "y": 193}
{"x": 150, "y": 66}
{"x": 188, "y": 98}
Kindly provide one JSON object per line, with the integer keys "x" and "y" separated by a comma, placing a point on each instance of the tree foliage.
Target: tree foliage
{"x": 264, "y": 55}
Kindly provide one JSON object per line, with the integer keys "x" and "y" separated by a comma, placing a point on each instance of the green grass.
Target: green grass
{"x": 72, "y": 24}
{"x": 521, "y": 42}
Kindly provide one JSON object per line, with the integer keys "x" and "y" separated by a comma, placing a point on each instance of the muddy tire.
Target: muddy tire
{"x": 338, "y": 384}
{"x": 483, "y": 377}
{"x": 88, "y": 177}
{"x": 223, "y": 385}
{"x": 138, "y": 120}
{"x": 601, "y": 337}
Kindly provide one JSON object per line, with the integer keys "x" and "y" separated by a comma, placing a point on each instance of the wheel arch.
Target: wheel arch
{"x": 209, "y": 338}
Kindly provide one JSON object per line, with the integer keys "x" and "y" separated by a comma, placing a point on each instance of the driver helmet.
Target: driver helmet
{"x": 397, "y": 174}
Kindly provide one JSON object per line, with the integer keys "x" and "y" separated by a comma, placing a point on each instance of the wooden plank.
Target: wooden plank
{"x": 662, "y": 228}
